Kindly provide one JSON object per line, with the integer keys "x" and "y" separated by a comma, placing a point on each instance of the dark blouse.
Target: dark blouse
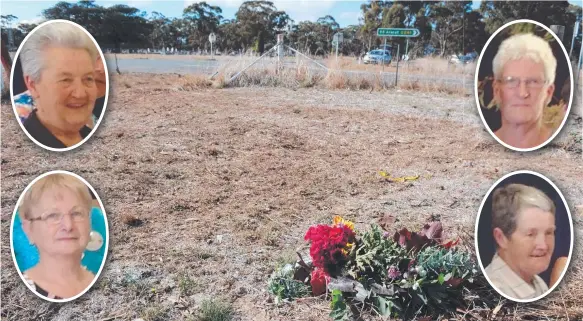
{"x": 42, "y": 135}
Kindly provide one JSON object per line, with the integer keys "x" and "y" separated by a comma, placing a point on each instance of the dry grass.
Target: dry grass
{"x": 306, "y": 75}
{"x": 423, "y": 66}
{"x": 227, "y": 182}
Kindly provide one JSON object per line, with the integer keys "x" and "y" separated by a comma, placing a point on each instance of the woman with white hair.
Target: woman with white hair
{"x": 58, "y": 63}
{"x": 523, "y": 226}
{"x": 524, "y": 72}
{"x": 55, "y": 216}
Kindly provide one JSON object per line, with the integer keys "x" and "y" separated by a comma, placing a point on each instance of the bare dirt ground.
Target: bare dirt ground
{"x": 225, "y": 182}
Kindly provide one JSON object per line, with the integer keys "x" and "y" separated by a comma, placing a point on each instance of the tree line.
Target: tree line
{"x": 447, "y": 27}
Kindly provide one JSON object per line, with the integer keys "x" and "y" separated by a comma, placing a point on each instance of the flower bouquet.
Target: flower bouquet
{"x": 402, "y": 274}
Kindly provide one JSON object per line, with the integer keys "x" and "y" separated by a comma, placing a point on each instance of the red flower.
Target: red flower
{"x": 328, "y": 243}
{"x": 450, "y": 244}
{"x": 319, "y": 281}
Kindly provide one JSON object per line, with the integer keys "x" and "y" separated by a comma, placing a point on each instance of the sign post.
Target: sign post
{"x": 398, "y": 32}
{"x": 384, "y": 49}
{"x": 338, "y": 38}
{"x": 212, "y": 39}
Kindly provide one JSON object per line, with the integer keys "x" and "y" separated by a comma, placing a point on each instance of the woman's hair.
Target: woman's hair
{"x": 56, "y": 34}
{"x": 509, "y": 200}
{"x": 53, "y": 183}
{"x": 526, "y": 45}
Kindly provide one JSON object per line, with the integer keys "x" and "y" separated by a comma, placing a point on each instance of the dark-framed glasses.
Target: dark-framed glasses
{"x": 530, "y": 83}
{"x": 54, "y": 218}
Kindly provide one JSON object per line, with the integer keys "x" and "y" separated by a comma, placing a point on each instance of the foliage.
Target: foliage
{"x": 259, "y": 22}
{"x": 340, "y": 311}
{"x": 214, "y": 310}
{"x": 284, "y": 287}
{"x": 375, "y": 254}
{"x": 402, "y": 274}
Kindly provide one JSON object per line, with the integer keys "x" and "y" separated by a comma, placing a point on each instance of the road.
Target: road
{"x": 208, "y": 67}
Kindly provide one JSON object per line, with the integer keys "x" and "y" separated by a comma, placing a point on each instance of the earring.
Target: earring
{"x": 95, "y": 241}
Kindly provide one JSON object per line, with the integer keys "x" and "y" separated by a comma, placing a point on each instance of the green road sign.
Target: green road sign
{"x": 398, "y": 32}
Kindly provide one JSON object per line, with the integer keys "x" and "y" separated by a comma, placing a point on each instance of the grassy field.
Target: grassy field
{"x": 225, "y": 182}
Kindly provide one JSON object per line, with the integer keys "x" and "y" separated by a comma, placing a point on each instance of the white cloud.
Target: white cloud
{"x": 139, "y": 3}
{"x": 233, "y": 4}
{"x": 37, "y": 20}
{"x": 350, "y": 15}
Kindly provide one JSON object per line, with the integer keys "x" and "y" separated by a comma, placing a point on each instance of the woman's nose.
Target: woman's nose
{"x": 67, "y": 222}
{"x": 79, "y": 90}
{"x": 523, "y": 90}
{"x": 541, "y": 242}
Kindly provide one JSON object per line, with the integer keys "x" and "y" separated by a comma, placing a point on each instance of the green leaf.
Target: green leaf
{"x": 339, "y": 308}
{"x": 440, "y": 278}
{"x": 384, "y": 306}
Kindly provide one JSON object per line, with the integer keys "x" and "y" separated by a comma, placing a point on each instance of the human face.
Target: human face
{"x": 529, "y": 249}
{"x": 522, "y": 105}
{"x": 67, "y": 236}
{"x": 66, "y": 92}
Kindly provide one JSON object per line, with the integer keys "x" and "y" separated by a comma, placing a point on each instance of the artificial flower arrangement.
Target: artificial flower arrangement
{"x": 402, "y": 274}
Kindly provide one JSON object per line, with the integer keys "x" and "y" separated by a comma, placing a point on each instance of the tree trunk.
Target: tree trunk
{"x": 260, "y": 43}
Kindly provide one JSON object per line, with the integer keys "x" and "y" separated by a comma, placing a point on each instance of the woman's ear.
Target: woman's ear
{"x": 31, "y": 85}
{"x": 549, "y": 94}
{"x": 500, "y": 238}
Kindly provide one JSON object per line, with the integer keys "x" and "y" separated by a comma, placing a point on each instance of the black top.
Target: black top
{"x": 42, "y": 135}
{"x": 98, "y": 109}
{"x": 44, "y": 293}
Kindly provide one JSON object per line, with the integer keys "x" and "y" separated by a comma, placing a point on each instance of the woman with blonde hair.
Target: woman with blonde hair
{"x": 524, "y": 75}
{"x": 55, "y": 215}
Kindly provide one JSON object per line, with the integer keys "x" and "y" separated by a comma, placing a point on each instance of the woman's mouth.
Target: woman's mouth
{"x": 76, "y": 105}
{"x": 538, "y": 256}
{"x": 71, "y": 238}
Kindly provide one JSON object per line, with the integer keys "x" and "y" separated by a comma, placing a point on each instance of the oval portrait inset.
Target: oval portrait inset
{"x": 523, "y": 85}
{"x": 59, "y": 236}
{"x": 59, "y": 85}
{"x": 524, "y": 236}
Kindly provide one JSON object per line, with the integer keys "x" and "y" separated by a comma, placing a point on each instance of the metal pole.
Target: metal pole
{"x": 212, "y": 56}
{"x": 384, "y": 49}
{"x": 299, "y": 53}
{"x": 240, "y": 72}
{"x": 407, "y": 47}
{"x": 337, "y": 53}
{"x": 575, "y": 31}
{"x": 397, "y": 73}
{"x": 579, "y": 67}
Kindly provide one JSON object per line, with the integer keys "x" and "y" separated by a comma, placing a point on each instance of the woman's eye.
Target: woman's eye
{"x": 52, "y": 217}
{"x": 66, "y": 80}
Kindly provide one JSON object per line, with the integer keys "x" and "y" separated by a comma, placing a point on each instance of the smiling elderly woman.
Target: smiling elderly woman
{"x": 58, "y": 63}
{"x": 523, "y": 222}
{"x": 55, "y": 217}
{"x": 524, "y": 72}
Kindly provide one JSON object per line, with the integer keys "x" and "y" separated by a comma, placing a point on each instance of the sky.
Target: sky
{"x": 345, "y": 12}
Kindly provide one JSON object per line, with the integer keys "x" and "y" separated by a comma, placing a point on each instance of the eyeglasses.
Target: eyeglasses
{"x": 53, "y": 218}
{"x": 514, "y": 82}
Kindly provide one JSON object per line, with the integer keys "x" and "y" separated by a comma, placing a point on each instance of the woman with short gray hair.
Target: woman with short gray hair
{"x": 524, "y": 71}
{"x": 523, "y": 225}
{"x": 58, "y": 61}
